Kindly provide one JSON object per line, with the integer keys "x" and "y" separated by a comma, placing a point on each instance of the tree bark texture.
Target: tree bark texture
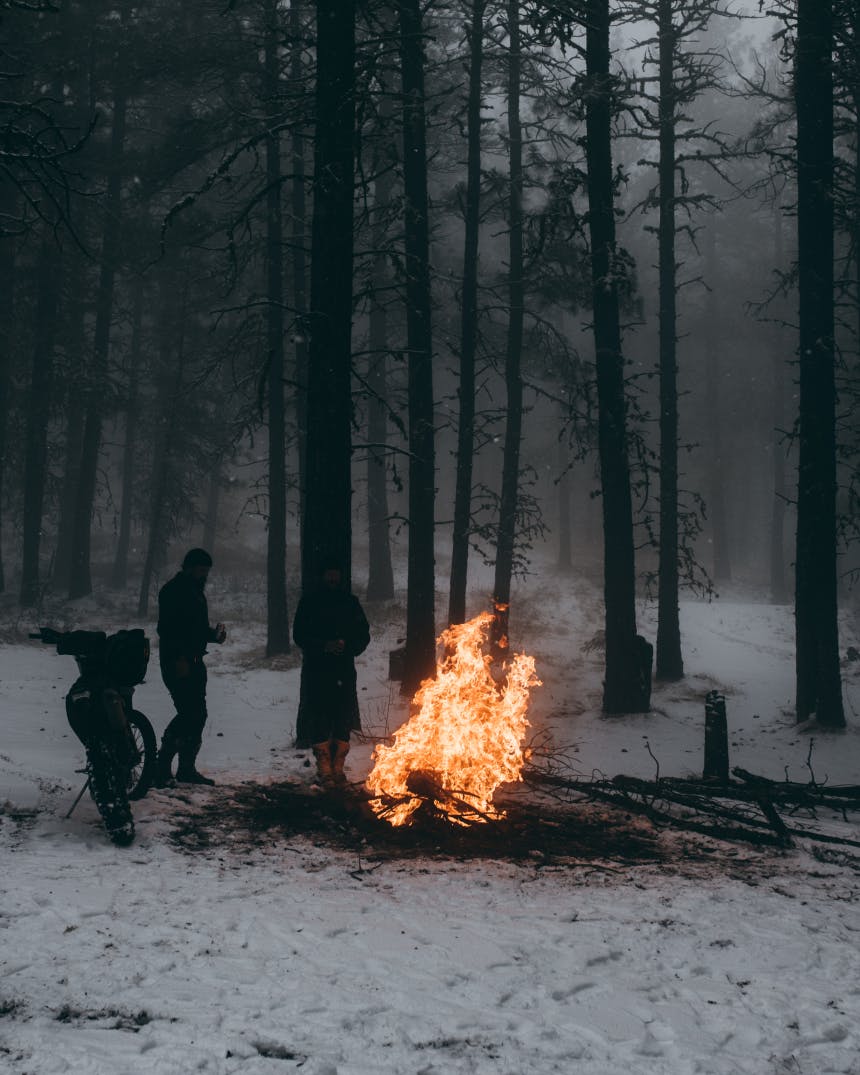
{"x": 38, "y": 415}
{"x": 721, "y": 565}
{"x": 80, "y": 582}
{"x": 130, "y": 461}
{"x": 77, "y": 346}
{"x": 624, "y": 689}
{"x": 780, "y": 374}
{"x": 420, "y": 658}
{"x": 169, "y": 381}
{"x": 670, "y": 664}
{"x": 819, "y": 687}
{"x": 213, "y": 501}
{"x": 327, "y": 525}
{"x": 298, "y": 240}
{"x": 380, "y": 576}
{"x": 468, "y": 326}
{"x": 513, "y": 356}
{"x": 7, "y": 290}
{"x": 564, "y": 561}
{"x": 277, "y": 617}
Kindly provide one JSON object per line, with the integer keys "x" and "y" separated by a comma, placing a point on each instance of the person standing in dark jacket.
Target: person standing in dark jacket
{"x": 331, "y": 629}
{"x": 184, "y": 632}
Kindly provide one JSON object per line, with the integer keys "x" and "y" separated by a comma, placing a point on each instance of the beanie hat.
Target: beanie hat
{"x": 197, "y": 558}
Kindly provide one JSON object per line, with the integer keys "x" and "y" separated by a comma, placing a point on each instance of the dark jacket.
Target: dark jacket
{"x": 329, "y": 702}
{"x": 183, "y": 619}
{"x": 324, "y": 615}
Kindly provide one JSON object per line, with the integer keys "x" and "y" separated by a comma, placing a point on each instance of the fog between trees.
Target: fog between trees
{"x": 242, "y": 272}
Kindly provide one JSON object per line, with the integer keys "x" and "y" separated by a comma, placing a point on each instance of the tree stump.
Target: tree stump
{"x": 716, "y": 739}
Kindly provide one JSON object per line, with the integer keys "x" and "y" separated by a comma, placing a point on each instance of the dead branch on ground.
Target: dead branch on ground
{"x": 748, "y": 808}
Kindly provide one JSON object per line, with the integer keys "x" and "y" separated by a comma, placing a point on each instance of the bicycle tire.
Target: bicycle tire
{"x": 108, "y": 792}
{"x": 142, "y": 773}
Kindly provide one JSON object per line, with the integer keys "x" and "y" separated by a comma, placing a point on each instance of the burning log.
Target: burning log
{"x": 465, "y": 738}
{"x": 449, "y": 803}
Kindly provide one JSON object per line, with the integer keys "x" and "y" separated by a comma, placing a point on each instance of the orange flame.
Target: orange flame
{"x": 466, "y": 736}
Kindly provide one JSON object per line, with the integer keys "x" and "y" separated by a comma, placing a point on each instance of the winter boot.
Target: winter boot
{"x": 325, "y": 773}
{"x": 192, "y": 776}
{"x": 186, "y": 772}
{"x": 164, "y": 763}
{"x": 339, "y": 751}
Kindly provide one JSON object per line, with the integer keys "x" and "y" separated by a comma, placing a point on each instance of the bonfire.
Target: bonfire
{"x": 465, "y": 738}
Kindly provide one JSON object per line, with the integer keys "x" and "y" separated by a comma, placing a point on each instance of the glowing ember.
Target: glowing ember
{"x": 464, "y": 740}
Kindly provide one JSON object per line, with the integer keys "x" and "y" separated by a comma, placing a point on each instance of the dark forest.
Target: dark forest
{"x": 425, "y": 284}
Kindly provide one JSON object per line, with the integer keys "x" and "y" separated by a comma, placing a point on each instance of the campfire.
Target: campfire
{"x": 465, "y": 738}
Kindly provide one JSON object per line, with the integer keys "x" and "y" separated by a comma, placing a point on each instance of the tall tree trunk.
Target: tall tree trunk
{"x": 7, "y": 290}
{"x": 277, "y": 623}
{"x": 38, "y": 414}
{"x": 380, "y": 576}
{"x": 721, "y": 563}
{"x": 213, "y": 500}
{"x": 420, "y": 657}
{"x": 779, "y": 590}
{"x": 327, "y": 525}
{"x": 119, "y": 575}
{"x": 670, "y": 664}
{"x": 69, "y": 490}
{"x": 513, "y": 357}
{"x": 169, "y": 392}
{"x": 468, "y": 326}
{"x": 78, "y": 284}
{"x": 856, "y": 228}
{"x": 565, "y": 531}
{"x": 819, "y": 687}
{"x": 779, "y": 374}
{"x": 625, "y": 686}
{"x": 211, "y": 511}
{"x": 74, "y": 377}
{"x": 298, "y": 238}
{"x": 80, "y": 583}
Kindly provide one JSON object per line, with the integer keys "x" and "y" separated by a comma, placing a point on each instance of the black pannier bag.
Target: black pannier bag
{"x": 127, "y": 657}
{"x": 108, "y": 665}
{"x": 90, "y": 645}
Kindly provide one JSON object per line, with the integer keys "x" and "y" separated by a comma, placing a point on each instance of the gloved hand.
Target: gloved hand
{"x": 48, "y": 634}
{"x": 182, "y": 667}
{"x": 220, "y": 633}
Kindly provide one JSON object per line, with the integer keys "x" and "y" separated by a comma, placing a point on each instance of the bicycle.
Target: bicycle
{"x": 119, "y": 740}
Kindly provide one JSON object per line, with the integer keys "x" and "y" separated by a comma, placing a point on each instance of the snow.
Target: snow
{"x": 290, "y": 954}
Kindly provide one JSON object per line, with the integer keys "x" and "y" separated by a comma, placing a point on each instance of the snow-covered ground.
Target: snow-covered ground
{"x": 279, "y": 954}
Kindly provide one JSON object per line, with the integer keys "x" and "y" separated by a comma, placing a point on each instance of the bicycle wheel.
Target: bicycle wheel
{"x": 109, "y": 795}
{"x": 142, "y": 772}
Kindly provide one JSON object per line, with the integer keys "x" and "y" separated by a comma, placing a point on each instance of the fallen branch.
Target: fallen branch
{"x": 745, "y": 809}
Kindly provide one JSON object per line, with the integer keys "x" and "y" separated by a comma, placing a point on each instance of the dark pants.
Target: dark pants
{"x": 189, "y": 697}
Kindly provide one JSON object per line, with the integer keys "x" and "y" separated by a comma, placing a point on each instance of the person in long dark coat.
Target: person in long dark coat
{"x": 184, "y": 632}
{"x": 331, "y": 629}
